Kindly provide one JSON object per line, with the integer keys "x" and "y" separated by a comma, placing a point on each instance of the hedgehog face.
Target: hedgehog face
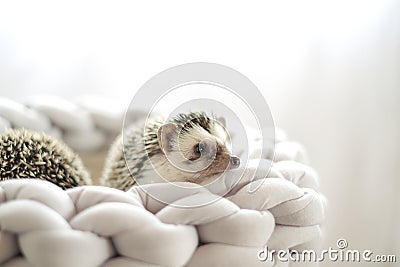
{"x": 197, "y": 149}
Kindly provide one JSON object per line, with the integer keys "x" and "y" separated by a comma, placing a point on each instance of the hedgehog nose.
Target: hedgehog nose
{"x": 235, "y": 161}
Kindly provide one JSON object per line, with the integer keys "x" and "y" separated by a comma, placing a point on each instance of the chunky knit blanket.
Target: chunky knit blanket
{"x": 43, "y": 225}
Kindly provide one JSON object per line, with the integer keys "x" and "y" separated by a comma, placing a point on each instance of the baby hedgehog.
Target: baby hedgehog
{"x": 188, "y": 147}
{"x": 29, "y": 154}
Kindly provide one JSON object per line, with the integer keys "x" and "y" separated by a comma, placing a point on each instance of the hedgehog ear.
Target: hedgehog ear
{"x": 166, "y": 135}
{"x": 222, "y": 121}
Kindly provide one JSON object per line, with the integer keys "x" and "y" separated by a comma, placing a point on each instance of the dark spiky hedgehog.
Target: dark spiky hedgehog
{"x": 29, "y": 154}
{"x": 188, "y": 147}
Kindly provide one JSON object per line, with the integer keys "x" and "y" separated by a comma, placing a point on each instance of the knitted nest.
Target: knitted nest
{"x": 42, "y": 225}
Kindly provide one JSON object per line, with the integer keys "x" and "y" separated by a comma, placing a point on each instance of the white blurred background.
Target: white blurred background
{"x": 329, "y": 69}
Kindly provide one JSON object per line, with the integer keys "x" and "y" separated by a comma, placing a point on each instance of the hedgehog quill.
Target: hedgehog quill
{"x": 29, "y": 154}
{"x": 189, "y": 147}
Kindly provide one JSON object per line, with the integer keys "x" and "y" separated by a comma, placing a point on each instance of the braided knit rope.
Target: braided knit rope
{"x": 84, "y": 125}
{"x": 42, "y": 225}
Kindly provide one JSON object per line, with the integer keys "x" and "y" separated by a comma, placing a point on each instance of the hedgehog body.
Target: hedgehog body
{"x": 188, "y": 147}
{"x": 29, "y": 154}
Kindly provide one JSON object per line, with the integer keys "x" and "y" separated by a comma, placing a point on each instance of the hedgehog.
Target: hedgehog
{"x": 189, "y": 147}
{"x": 29, "y": 154}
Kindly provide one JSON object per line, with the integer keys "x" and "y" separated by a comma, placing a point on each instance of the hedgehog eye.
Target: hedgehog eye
{"x": 198, "y": 148}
